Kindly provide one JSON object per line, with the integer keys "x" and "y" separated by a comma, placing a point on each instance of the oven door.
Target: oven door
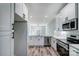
{"x": 63, "y": 49}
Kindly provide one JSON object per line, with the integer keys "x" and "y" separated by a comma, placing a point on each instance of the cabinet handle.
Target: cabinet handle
{"x": 76, "y": 51}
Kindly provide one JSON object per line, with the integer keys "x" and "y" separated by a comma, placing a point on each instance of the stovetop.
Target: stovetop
{"x": 72, "y": 40}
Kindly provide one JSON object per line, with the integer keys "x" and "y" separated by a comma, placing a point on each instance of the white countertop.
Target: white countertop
{"x": 39, "y": 36}
{"x": 61, "y": 35}
{"x": 63, "y": 39}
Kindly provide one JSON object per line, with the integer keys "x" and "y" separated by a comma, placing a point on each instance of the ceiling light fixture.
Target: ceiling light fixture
{"x": 45, "y": 16}
{"x": 30, "y": 16}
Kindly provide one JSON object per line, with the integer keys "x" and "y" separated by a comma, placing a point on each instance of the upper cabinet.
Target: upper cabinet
{"x": 25, "y": 12}
{"x": 21, "y": 11}
{"x": 69, "y": 12}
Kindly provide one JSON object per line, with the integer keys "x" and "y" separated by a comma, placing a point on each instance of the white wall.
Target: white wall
{"x": 20, "y": 37}
{"x": 51, "y": 27}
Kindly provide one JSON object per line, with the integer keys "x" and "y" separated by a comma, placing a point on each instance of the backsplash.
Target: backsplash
{"x": 75, "y": 32}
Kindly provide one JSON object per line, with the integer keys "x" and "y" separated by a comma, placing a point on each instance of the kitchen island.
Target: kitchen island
{"x": 39, "y": 40}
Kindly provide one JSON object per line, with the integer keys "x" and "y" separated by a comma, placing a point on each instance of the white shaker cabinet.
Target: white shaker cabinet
{"x": 70, "y": 11}
{"x": 36, "y": 40}
{"x": 59, "y": 21}
{"x": 53, "y": 43}
{"x": 74, "y": 49}
{"x": 21, "y": 12}
{"x": 19, "y": 9}
{"x": 25, "y": 12}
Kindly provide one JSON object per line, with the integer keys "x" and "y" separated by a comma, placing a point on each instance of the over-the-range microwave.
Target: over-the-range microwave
{"x": 71, "y": 24}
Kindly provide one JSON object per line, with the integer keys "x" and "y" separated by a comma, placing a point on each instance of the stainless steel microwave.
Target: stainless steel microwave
{"x": 71, "y": 24}
{"x": 74, "y": 24}
{"x": 66, "y": 26}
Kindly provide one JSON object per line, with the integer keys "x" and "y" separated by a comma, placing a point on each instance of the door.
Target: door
{"x": 5, "y": 30}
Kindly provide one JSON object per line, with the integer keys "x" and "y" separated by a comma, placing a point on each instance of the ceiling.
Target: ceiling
{"x": 43, "y": 13}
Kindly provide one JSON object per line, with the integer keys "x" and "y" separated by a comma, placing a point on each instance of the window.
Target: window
{"x": 37, "y": 30}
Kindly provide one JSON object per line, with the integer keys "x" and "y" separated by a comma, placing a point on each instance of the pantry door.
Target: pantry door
{"x": 5, "y": 30}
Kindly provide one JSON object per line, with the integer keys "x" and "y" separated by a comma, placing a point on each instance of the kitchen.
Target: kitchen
{"x": 62, "y": 32}
{"x": 39, "y": 29}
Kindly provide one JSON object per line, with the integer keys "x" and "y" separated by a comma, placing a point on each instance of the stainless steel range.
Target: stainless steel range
{"x": 73, "y": 39}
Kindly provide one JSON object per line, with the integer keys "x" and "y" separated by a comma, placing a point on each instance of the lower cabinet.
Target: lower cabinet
{"x": 74, "y": 50}
{"x": 53, "y": 43}
{"x": 36, "y": 41}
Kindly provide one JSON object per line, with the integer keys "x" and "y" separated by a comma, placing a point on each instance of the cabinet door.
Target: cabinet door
{"x": 36, "y": 41}
{"x": 74, "y": 50}
{"x": 53, "y": 43}
{"x": 70, "y": 11}
{"x": 71, "y": 51}
{"x": 19, "y": 9}
{"x": 40, "y": 41}
{"x": 59, "y": 22}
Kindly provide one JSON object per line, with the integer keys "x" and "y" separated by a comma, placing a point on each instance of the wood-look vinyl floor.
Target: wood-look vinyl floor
{"x": 41, "y": 51}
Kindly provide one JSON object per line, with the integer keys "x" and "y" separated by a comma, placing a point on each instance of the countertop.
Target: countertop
{"x": 63, "y": 39}
{"x": 39, "y": 36}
